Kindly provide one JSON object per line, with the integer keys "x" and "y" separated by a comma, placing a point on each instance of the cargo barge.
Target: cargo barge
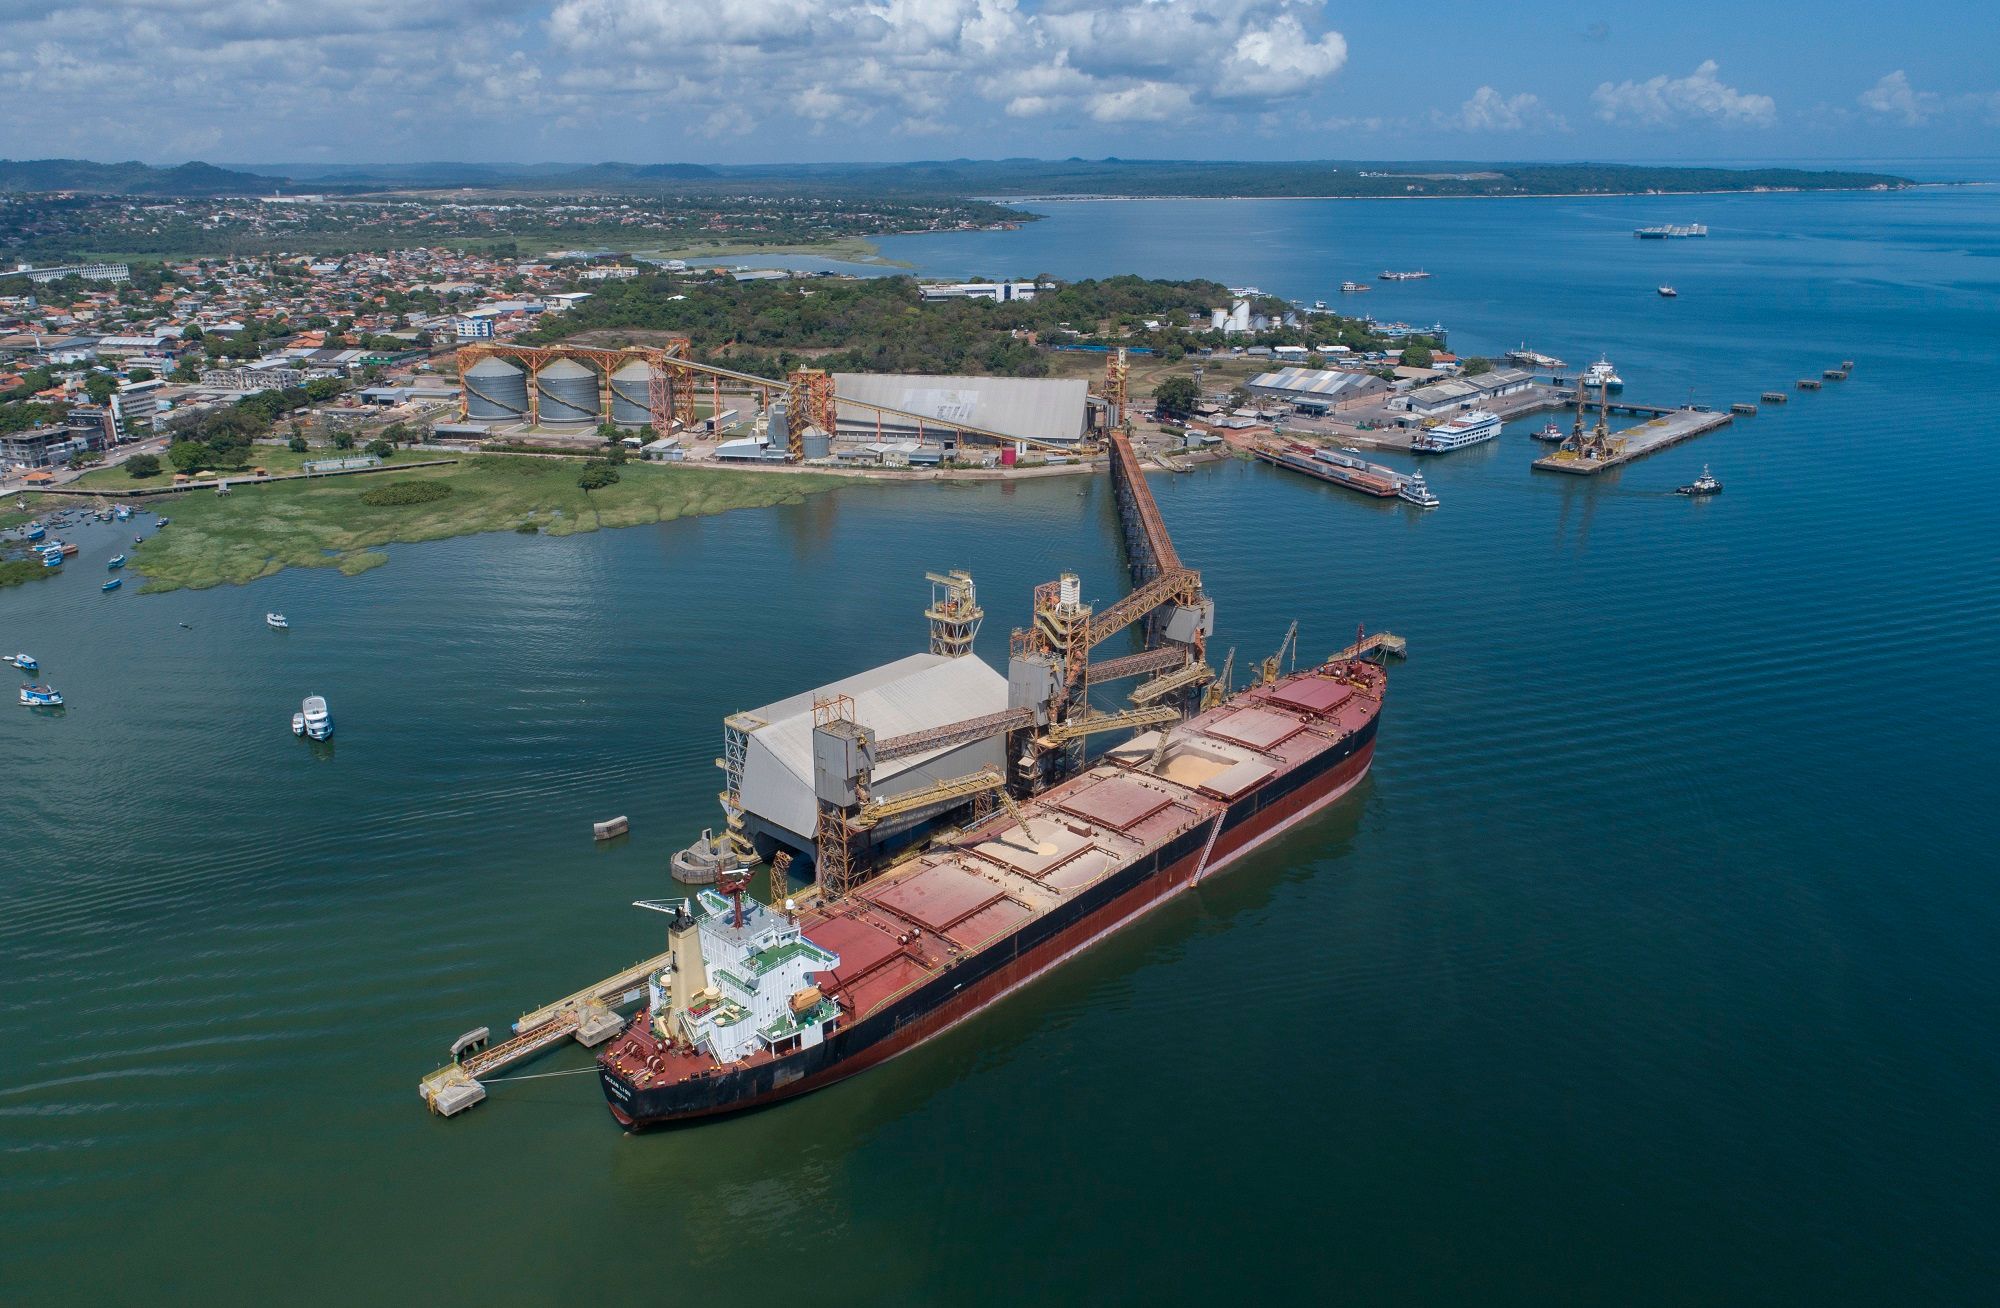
{"x": 1341, "y": 469}
{"x": 757, "y": 1004}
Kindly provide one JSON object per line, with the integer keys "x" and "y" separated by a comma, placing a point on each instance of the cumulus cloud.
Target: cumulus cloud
{"x": 1894, "y": 98}
{"x": 1487, "y": 110}
{"x": 261, "y": 79}
{"x": 1699, "y": 98}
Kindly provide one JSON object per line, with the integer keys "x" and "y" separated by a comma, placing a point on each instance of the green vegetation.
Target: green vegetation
{"x": 596, "y": 476}
{"x": 406, "y": 492}
{"x": 1177, "y": 396}
{"x": 142, "y": 465}
{"x": 262, "y": 528}
{"x": 882, "y": 324}
{"x": 15, "y": 571}
{"x": 1416, "y": 353}
{"x": 1478, "y": 367}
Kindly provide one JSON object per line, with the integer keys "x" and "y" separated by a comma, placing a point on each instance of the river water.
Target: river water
{"x": 1655, "y": 962}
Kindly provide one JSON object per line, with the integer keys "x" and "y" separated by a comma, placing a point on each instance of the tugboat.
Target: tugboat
{"x": 1668, "y": 292}
{"x": 1414, "y": 491}
{"x": 25, "y": 662}
{"x": 41, "y": 697}
{"x": 276, "y": 621}
{"x": 1550, "y": 433}
{"x": 1701, "y": 486}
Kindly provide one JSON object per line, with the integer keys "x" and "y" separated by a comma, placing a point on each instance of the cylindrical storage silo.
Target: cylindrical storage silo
{"x": 568, "y": 391}
{"x": 632, "y": 395}
{"x": 816, "y": 443}
{"x": 495, "y": 391}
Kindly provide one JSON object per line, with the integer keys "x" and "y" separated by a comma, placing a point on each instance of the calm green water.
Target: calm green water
{"x": 1655, "y": 963}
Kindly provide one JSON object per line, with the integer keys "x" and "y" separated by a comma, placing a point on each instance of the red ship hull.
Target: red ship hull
{"x": 730, "y": 1092}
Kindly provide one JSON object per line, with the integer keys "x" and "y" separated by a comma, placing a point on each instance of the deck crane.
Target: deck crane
{"x": 1218, "y": 690}
{"x": 1267, "y": 671}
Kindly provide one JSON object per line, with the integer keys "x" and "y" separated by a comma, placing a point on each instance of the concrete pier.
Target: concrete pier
{"x": 1637, "y": 442}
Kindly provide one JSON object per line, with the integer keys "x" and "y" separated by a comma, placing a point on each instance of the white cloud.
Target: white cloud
{"x": 1698, "y": 98}
{"x": 1893, "y": 97}
{"x": 1280, "y": 60}
{"x": 1489, "y": 111}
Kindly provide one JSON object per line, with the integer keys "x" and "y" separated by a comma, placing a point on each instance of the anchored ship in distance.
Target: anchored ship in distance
{"x": 958, "y": 861}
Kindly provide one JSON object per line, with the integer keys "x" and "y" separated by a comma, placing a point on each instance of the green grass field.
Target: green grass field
{"x": 258, "y": 530}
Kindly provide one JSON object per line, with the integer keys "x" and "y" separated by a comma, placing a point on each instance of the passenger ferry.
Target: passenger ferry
{"x": 319, "y": 722}
{"x": 1603, "y": 374}
{"x": 41, "y": 697}
{"x": 1468, "y": 428}
{"x": 1414, "y": 491}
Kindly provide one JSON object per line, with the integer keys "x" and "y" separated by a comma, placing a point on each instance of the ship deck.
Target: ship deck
{"x": 920, "y": 917}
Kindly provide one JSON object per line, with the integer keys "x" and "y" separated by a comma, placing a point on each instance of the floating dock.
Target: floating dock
{"x": 1638, "y": 442}
{"x": 1775, "y": 397}
{"x": 1809, "y": 383}
{"x": 1747, "y": 410}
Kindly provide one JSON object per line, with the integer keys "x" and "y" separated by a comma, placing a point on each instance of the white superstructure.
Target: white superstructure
{"x": 743, "y": 987}
{"x": 319, "y": 721}
{"x": 1468, "y": 428}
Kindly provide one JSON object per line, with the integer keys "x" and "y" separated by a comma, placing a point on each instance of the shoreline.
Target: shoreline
{"x": 1537, "y": 195}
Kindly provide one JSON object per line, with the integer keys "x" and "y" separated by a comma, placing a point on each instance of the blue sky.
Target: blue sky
{"x": 787, "y": 80}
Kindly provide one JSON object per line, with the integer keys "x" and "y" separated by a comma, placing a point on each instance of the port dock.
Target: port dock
{"x": 1637, "y": 442}
{"x": 590, "y": 1017}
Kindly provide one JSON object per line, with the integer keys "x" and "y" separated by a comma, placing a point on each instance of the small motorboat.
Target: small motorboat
{"x": 187, "y": 626}
{"x": 52, "y": 558}
{"x": 117, "y": 562}
{"x": 41, "y": 697}
{"x": 68, "y": 549}
{"x": 316, "y": 717}
{"x": 276, "y": 621}
{"x": 25, "y": 662}
{"x": 1701, "y": 486}
{"x": 36, "y": 531}
{"x": 298, "y": 724}
{"x": 113, "y": 584}
{"x": 1668, "y": 292}
{"x": 138, "y": 540}
{"x": 123, "y": 512}
{"x": 163, "y": 522}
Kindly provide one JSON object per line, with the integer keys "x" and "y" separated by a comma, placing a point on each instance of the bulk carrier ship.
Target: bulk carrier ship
{"x": 756, "y": 1003}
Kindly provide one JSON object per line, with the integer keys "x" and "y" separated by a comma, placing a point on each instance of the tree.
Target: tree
{"x": 187, "y": 456}
{"x": 343, "y": 441}
{"x": 1177, "y": 396}
{"x": 1416, "y": 354}
{"x": 596, "y": 476}
{"x": 141, "y": 374}
{"x": 143, "y": 465}
{"x": 297, "y": 444}
{"x": 99, "y": 386}
{"x": 1240, "y": 398}
{"x": 381, "y": 449}
{"x": 1476, "y": 366}
{"x": 398, "y": 434}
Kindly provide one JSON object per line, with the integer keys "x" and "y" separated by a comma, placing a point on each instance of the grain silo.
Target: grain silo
{"x": 495, "y": 391}
{"x": 568, "y": 392}
{"x": 631, "y": 394}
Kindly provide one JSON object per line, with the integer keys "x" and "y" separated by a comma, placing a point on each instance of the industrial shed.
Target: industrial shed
{"x": 1038, "y": 408}
{"x": 1315, "y": 388}
{"x": 910, "y": 694}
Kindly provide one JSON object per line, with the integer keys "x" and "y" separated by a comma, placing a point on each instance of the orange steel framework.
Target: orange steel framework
{"x": 1117, "y": 374}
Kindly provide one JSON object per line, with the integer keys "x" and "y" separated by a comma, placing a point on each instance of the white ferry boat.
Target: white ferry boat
{"x": 1603, "y": 374}
{"x": 1414, "y": 491}
{"x": 1468, "y": 428}
{"x": 319, "y": 722}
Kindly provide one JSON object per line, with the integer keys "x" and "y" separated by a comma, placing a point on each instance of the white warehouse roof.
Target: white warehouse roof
{"x": 910, "y": 694}
{"x": 1042, "y": 408}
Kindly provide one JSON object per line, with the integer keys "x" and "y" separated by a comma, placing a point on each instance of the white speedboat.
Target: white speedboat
{"x": 1414, "y": 491}
{"x": 318, "y": 720}
{"x": 276, "y": 621}
{"x": 298, "y": 724}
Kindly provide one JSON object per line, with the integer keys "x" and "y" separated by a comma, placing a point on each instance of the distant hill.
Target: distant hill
{"x": 946, "y": 179}
{"x": 130, "y": 178}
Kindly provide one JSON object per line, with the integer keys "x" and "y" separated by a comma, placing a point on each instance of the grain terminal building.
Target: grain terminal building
{"x": 1316, "y": 390}
{"x": 1056, "y": 410}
